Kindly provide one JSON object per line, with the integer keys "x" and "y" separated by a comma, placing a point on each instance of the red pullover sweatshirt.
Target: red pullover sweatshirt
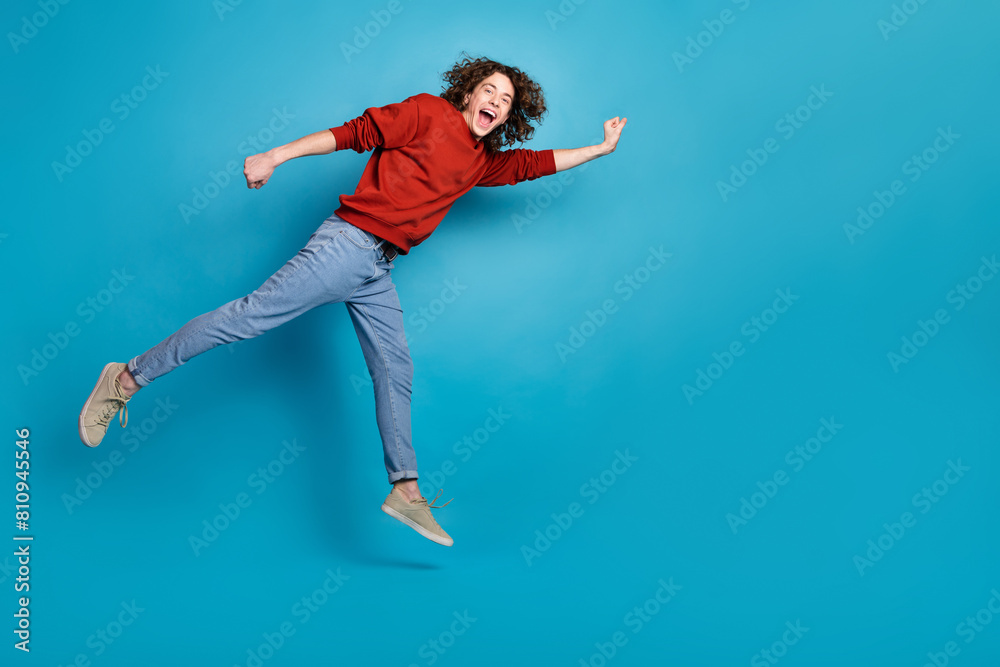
{"x": 425, "y": 158}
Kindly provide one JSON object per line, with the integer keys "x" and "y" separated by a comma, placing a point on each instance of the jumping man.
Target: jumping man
{"x": 428, "y": 151}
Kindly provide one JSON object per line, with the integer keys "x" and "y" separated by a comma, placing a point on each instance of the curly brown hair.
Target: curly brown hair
{"x": 528, "y": 105}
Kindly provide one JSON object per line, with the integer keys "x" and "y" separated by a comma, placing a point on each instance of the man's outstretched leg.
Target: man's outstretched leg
{"x": 378, "y": 321}
{"x": 328, "y": 269}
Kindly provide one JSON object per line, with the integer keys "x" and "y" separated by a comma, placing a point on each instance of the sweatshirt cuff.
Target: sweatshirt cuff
{"x": 343, "y": 136}
{"x": 547, "y": 161}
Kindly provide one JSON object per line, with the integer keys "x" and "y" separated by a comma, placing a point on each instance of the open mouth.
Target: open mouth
{"x": 486, "y": 117}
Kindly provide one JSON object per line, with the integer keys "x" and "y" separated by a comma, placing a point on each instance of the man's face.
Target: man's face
{"x": 488, "y": 106}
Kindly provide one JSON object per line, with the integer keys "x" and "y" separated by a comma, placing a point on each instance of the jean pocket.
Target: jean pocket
{"x": 359, "y": 237}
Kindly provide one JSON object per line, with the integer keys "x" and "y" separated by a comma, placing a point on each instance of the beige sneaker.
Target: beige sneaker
{"x": 417, "y": 515}
{"x": 107, "y": 400}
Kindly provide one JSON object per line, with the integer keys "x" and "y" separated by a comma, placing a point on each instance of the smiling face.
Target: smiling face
{"x": 489, "y": 104}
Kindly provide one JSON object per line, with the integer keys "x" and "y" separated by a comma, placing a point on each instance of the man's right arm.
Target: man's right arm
{"x": 389, "y": 126}
{"x": 258, "y": 168}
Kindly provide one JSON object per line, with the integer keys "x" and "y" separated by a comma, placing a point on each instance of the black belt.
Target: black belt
{"x": 389, "y": 250}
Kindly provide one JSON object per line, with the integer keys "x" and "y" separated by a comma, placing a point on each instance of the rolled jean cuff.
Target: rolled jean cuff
{"x": 402, "y": 474}
{"x": 140, "y": 379}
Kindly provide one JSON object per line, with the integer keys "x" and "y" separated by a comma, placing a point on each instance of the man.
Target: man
{"x": 428, "y": 151}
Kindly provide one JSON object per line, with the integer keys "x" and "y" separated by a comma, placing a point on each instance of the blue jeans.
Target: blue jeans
{"x": 340, "y": 263}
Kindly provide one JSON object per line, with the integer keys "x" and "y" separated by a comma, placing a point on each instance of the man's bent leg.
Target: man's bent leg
{"x": 378, "y": 321}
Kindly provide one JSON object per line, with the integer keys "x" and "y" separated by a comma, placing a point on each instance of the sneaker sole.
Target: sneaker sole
{"x": 446, "y": 541}
{"x": 83, "y": 431}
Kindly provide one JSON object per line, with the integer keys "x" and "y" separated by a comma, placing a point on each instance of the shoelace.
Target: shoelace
{"x": 117, "y": 405}
{"x": 431, "y": 504}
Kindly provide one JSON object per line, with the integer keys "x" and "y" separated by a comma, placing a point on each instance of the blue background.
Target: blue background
{"x": 495, "y": 347}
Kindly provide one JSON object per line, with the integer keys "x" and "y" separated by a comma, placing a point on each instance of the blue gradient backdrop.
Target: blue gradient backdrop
{"x": 715, "y": 539}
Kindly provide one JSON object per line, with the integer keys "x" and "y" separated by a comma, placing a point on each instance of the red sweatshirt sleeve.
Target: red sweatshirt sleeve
{"x": 516, "y": 165}
{"x": 390, "y": 126}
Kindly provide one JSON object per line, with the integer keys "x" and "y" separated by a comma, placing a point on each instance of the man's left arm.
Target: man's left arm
{"x": 567, "y": 158}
